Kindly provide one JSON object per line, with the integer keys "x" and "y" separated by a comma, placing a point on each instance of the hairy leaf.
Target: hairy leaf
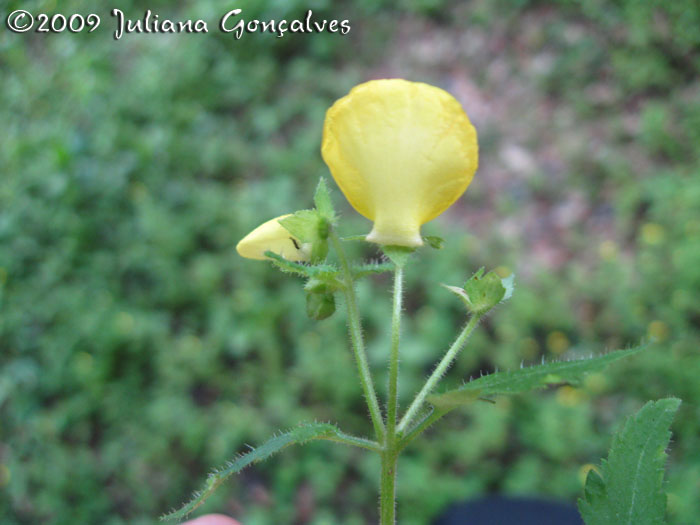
{"x": 629, "y": 490}
{"x": 297, "y": 436}
{"x": 526, "y": 379}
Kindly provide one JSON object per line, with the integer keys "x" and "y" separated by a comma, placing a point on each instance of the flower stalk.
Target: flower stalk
{"x": 389, "y": 456}
{"x": 358, "y": 345}
{"x": 439, "y": 371}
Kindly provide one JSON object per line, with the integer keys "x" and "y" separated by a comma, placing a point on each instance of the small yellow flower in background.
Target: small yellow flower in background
{"x": 272, "y": 236}
{"x": 658, "y": 330}
{"x": 653, "y": 233}
{"x": 402, "y": 152}
{"x": 557, "y": 342}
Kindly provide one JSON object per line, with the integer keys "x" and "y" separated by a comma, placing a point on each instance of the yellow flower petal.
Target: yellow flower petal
{"x": 402, "y": 152}
{"x": 271, "y": 236}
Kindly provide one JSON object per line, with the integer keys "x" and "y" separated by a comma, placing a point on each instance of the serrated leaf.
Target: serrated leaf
{"x": 363, "y": 270}
{"x": 630, "y": 490}
{"x": 297, "y": 436}
{"x": 323, "y": 202}
{"x": 526, "y": 379}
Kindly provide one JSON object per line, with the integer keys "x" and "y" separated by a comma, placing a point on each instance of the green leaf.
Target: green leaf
{"x": 526, "y": 379}
{"x": 323, "y": 202}
{"x": 297, "y": 436}
{"x": 630, "y": 489}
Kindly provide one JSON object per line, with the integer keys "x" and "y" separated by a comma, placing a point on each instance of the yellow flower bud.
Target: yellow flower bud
{"x": 402, "y": 152}
{"x": 272, "y": 236}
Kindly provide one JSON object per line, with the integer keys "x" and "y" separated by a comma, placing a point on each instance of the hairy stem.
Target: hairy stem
{"x": 393, "y": 404}
{"x": 358, "y": 344}
{"x": 387, "y": 492}
{"x": 430, "y": 418}
{"x": 348, "y": 439}
{"x": 439, "y": 371}
{"x": 387, "y": 498}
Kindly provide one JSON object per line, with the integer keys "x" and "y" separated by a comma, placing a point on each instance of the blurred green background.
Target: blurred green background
{"x": 138, "y": 350}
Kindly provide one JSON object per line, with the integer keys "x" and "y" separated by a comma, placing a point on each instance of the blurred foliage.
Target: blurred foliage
{"x": 138, "y": 351}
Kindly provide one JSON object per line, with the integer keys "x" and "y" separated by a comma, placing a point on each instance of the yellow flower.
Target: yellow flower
{"x": 271, "y": 236}
{"x": 402, "y": 152}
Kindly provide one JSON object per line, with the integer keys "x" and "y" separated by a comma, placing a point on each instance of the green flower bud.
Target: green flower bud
{"x": 320, "y": 306}
{"x": 483, "y": 292}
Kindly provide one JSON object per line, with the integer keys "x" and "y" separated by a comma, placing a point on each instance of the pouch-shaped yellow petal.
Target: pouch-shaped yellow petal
{"x": 271, "y": 236}
{"x": 402, "y": 152}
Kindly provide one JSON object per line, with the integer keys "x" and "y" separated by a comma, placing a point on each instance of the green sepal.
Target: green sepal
{"x": 323, "y": 202}
{"x": 630, "y": 485}
{"x": 482, "y": 292}
{"x": 526, "y": 379}
{"x": 509, "y": 284}
{"x": 399, "y": 255}
{"x": 321, "y": 271}
{"x": 435, "y": 242}
{"x": 309, "y": 226}
{"x": 322, "y": 284}
{"x": 319, "y": 248}
{"x": 320, "y": 305}
{"x": 303, "y": 225}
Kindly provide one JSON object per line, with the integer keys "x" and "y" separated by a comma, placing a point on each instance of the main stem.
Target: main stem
{"x": 387, "y": 489}
{"x": 358, "y": 344}
{"x": 389, "y": 455}
{"x": 439, "y": 372}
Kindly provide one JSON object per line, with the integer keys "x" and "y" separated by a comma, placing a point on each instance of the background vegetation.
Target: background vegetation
{"x": 137, "y": 350}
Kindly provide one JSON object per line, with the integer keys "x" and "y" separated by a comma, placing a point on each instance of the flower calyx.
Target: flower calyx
{"x": 482, "y": 292}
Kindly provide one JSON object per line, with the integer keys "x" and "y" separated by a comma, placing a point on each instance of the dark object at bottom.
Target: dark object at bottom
{"x": 510, "y": 511}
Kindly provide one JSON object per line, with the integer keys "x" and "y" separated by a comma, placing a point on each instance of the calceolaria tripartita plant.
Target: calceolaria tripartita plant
{"x": 401, "y": 152}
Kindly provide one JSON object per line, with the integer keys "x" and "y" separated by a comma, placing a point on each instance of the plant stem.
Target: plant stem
{"x": 393, "y": 404}
{"x": 439, "y": 372}
{"x": 430, "y": 418}
{"x": 387, "y": 492}
{"x": 348, "y": 439}
{"x": 389, "y": 456}
{"x": 358, "y": 344}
